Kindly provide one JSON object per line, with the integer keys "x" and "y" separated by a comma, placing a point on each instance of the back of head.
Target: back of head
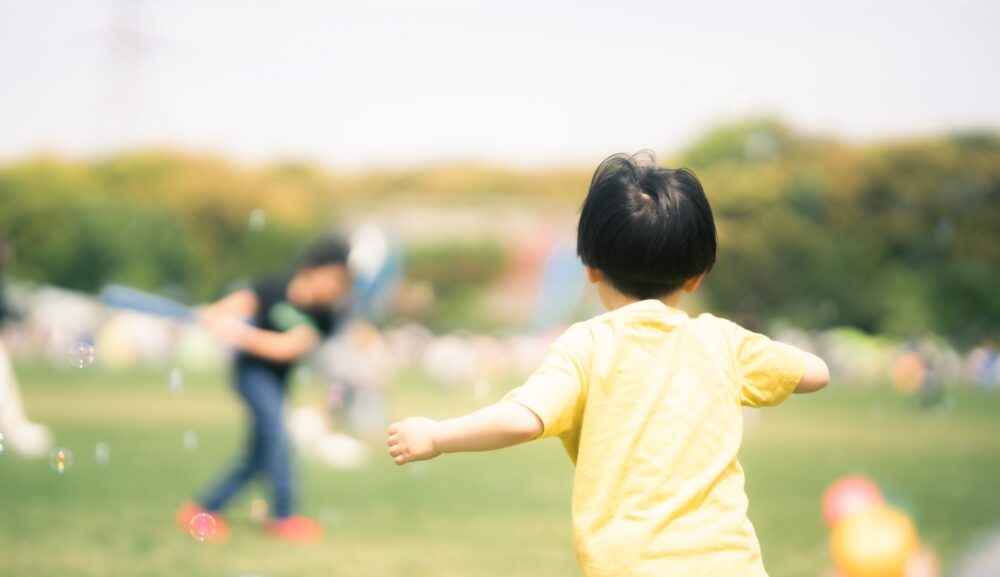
{"x": 647, "y": 229}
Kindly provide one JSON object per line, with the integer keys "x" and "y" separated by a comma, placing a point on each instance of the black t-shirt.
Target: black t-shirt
{"x": 275, "y": 313}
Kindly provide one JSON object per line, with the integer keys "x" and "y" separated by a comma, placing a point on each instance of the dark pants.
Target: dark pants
{"x": 267, "y": 450}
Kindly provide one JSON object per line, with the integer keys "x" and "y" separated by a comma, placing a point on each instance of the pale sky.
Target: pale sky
{"x": 527, "y": 83}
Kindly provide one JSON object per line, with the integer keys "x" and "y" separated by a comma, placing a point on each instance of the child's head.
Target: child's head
{"x": 649, "y": 231}
{"x": 322, "y": 269}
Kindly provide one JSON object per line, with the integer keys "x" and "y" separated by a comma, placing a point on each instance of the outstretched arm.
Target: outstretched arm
{"x": 494, "y": 427}
{"x": 815, "y": 374}
{"x": 227, "y": 319}
{"x": 278, "y": 347}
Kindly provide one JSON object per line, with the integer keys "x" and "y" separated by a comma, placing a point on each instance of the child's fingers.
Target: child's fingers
{"x": 393, "y": 428}
{"x": 392, "y": 439}
{"x": 400, "y": 460}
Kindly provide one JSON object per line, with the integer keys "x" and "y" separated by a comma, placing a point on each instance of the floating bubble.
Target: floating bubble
{"x": 175, "y": 383}
{"x": 102, "y": 454}
{"x": 202, "y": 526}
{"x": 60, "y": 459}
{"x": 332, "y": 517}
{"x": 190, "y": 441}
{"x": 303, "y": 374}
{"x": 81, "y": 354}
{"x": 258, "y": 511}
{"x": 481, "y": 390}
{"x": 335, "y": 395}
{"x": 419, "y": 469}
{"x": 257, "y": 220}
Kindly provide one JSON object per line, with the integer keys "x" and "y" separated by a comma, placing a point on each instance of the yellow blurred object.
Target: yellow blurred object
{"x": 874, "y": 543}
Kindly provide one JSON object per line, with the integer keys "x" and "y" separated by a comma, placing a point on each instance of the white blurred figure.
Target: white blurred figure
{"x": 309, "y": 429}
{"x": 358, "y": 363}
{"x": 21, "y": 436}
{"x": 408, "y": 342}
{"x": 64, "y": 317}
{"x": 450, "y": 360}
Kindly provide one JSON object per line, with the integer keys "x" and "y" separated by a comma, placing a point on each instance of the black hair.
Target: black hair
{"x": 325, "y": 251}
{"x": 647, "y": 229}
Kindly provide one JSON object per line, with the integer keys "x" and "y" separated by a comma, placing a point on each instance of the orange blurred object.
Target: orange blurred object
{"x": 908, "y": 372}
{"x": 879, "y": 542}
{"x": 850, "y": 495}
{"x": 296, "y": 529}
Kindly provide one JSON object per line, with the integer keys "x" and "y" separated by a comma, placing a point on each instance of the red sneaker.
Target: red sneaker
{"x": 297, "y": 529}
{"x": 202, "y": 524}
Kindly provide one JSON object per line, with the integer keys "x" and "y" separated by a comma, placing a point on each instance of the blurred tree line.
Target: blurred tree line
{"x": 895, "y": 237}
{"x": 899, "y": 238}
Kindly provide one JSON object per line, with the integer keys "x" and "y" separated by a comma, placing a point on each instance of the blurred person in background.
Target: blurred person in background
{"x": 273, "y": 324}
{"x": 17, "y": 433}
{"x": 982, "y": 365}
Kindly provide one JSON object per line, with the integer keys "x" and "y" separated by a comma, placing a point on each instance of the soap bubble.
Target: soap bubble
{"x": 332, "y": 517}
{"x": 481, "y": 390}
{"x": 257, "y": 220}
{"x": 202, "y": 526}
{"x": 102, "y": 454}
{"x": 60, "y": 459}
{"x": 258, "y": 511}
{"x": 419, "y": 469}
{"x": 190, "y": 441}
{"x": 175, "y": 383}
{"x": 81, "y": 354}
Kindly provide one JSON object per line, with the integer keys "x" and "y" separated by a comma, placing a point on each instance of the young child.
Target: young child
{"x": 288, "y": 317}
{"x": 646, "y": 400}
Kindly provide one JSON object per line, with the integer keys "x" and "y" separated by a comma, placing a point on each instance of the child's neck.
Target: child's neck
{"x": 615, "y": 300}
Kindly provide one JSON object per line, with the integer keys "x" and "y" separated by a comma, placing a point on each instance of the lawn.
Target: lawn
{"x": 472, "y": 515}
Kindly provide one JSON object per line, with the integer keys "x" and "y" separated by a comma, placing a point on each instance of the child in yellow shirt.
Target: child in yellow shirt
{"x": 646, "y": 400}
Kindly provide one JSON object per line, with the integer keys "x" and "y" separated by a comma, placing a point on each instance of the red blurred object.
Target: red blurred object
{"x": 187, "y": 515}
{"x": 296, "y": 529}
{"x": 848, "y": 496}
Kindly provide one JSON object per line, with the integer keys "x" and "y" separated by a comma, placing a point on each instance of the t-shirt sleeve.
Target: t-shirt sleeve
{"x": 284, "y": 317}
{"x": 557, "y": 390}
{"x": 768, "y": 371}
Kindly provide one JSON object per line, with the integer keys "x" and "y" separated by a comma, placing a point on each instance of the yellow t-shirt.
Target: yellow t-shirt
{"x": 647, "y": 403}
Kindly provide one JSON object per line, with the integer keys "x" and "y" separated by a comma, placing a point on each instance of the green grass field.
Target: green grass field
{"x": 505, "y": 513}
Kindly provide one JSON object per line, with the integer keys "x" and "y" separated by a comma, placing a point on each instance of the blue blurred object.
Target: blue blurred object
{"x": 124, "y": 297}
{"x": 376, "y": 266}
{"x": 562, "y": 290}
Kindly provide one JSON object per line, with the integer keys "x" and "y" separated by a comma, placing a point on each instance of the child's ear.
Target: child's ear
{"x": 593, "y": 275}
{"x": 692, "y": 284}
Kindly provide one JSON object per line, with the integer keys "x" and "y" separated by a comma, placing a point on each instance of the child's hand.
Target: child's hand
{"x": 412, "y": 440}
